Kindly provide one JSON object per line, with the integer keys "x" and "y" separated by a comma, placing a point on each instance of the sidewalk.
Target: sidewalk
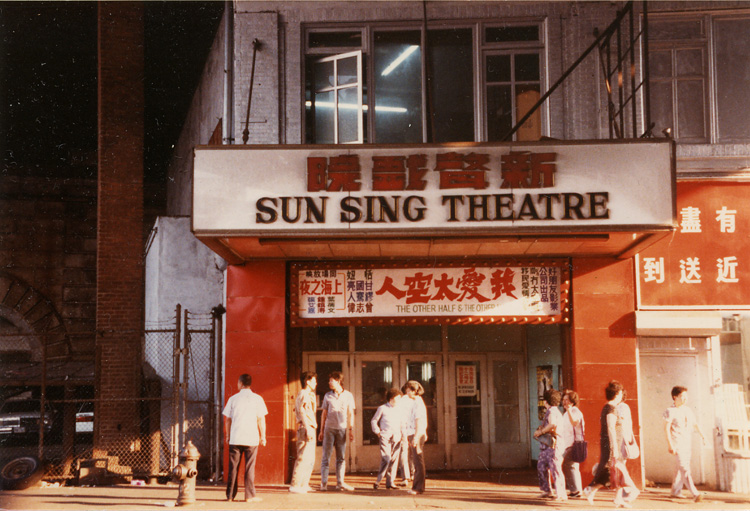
{"x": 514, "y": 491}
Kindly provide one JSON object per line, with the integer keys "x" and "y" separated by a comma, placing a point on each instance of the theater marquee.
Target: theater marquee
{"x": 482, "y": 292}
{"x": 309, "y": 190}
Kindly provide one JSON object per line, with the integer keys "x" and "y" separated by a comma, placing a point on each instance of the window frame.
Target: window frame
{"x": 707, "y": 43}
{"x": 479, "y": 50}
{"x": 335, "y": 88}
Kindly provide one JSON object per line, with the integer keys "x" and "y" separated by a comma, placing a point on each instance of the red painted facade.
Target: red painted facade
{"x": 256, "y": 344}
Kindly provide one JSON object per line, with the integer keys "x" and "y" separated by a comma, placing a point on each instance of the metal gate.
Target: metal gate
{"x": 47, "y": 405}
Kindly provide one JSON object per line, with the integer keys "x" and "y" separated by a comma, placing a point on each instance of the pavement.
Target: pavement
{"x": 476, "y": 490}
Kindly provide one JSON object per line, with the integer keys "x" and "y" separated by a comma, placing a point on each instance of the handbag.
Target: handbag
{"x": 631, "y": 450}
{"x": 580, "y": 448}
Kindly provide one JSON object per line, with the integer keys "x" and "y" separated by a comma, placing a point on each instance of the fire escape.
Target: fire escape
{"x": 618, "y": 46}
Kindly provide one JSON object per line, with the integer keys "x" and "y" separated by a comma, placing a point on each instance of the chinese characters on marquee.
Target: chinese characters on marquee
{"x": 343, "y": 173}
{"x": 450, "y": 291}
{"x": 654, "y": 268}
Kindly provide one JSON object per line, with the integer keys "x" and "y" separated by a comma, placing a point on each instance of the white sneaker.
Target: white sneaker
{"x": 297, "y": 489}
{"x": 589, "y": 494}
{"x": 323, "y": 487}
{"x": 345, "y": 487}
{"x": 254, "y": 499}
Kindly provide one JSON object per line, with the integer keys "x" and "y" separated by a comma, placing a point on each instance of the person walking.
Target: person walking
{"x": 607, "y": 439}
{"x": 405, "y": 463}
{"x": 573, "y": 428}
{"x": 245, "y": 429}
{"x": 549, "y": 465}
{"x": 337, "y": 418}
{"x": 679, "y": 423}
{"x": 417, "y": 429}
{"x": 307, "y": 425}
{"x": 630, "y": 491}
{"x": 387, "y": 423}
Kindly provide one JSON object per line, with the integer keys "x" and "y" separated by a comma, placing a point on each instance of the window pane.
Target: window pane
{"x": 732, "y": 78}
{"x": 675, "y": 29}
{"x": 498, "y": 68}
{"x": 690, "y": 118}
{"x": 660, "y": 64}
{"x": 377, "y": 378}
{"x": 511, "y": 34}
{"x": 468, "y": 407}
{"x": 526, "y": 97}
{"x": 499, "y": 112}
{"x": 348, "y": 115}
{"x": 689, "y": 62}
{"x": 327, "y": 338}
{"x": 451, "y": 85}
{"x": 324, "y": 119}
{"x": 347, "y": 71}
{"x": 323, "y": 75}
{"x": 527, "y": 67}
{"x": 398, "y": 338}
{"x": 479, "y": 338}
{"x": 398, "y": 87}
{"x": 661, "y": 107}
{"x": 335, "y": 39}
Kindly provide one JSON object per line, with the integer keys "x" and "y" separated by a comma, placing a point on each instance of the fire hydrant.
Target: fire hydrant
{"x": 186, "y": 473}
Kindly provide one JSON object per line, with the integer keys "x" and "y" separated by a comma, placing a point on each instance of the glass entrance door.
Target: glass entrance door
{"x": 468, "y": 426}
{"x": 376, "y": 373}
{"x": 509, "y": 438}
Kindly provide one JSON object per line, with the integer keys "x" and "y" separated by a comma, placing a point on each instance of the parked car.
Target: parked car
{"x": 85, "y": 421}
{"x": 19, "y": 419}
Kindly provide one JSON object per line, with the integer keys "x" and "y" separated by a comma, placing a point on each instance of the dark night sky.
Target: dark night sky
{"x": 48, "y": 95}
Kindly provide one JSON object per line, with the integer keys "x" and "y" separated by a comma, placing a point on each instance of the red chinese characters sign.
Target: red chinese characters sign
{"x": 459, "y": 293}
{"x": 704, "y": 264}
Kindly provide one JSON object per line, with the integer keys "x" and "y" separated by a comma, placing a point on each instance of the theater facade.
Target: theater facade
{"x": 489, "y": 272}
{"x": 453, "y": 193}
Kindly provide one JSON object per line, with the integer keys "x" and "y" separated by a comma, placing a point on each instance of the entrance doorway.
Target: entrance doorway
{"x": 477, "y": 389}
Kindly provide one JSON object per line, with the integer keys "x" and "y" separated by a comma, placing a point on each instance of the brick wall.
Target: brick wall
{"x": 119, "y": 298}
{"x": 48, "y": 241}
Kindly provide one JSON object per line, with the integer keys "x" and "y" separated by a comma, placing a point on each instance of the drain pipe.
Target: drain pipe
{"x": 228, "y": 114}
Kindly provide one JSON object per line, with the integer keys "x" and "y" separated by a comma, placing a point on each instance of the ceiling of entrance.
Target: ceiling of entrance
{"x": 239, "y": 249}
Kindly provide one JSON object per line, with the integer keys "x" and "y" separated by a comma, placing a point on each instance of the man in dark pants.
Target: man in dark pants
{"x": 417, "y": 434}
{"x": 244, "y": 429}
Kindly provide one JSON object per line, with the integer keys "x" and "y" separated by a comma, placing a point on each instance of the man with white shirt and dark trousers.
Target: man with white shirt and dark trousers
{"x": 244, "y": 429}
{"x": 387, "y": 424}
{"x": 336, "y": 420}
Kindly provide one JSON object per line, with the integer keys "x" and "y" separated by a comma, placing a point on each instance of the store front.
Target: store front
{"x": 488, "y": 272}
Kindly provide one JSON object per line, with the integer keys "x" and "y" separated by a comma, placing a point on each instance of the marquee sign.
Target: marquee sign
{"x": 482, "y": 292}
{"x": 344, "y": 189}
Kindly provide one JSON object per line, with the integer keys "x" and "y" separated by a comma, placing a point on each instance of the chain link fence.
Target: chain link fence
{"x": 49, "y": 406}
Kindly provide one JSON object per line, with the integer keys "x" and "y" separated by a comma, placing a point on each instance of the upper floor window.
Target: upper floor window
{"x": 423, "y": 86}
{"x": 700, "y": 87}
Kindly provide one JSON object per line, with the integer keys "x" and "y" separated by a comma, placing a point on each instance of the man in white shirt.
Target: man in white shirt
{"x": 679, "y": 423}
{"x": 307, "y": 425}
{"x": 387, "y": 424}
{"x": 244, "y": 429}
{"x": 417, "y": 430}
{"x": 337, "y": 418}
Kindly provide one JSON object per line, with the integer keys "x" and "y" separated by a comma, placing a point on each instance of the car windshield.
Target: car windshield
{"x": 20, "y": 406}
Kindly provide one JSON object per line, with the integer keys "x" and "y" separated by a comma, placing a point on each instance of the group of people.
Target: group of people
{"x": 558, "y": 464}
{"x": 401, "y": 426}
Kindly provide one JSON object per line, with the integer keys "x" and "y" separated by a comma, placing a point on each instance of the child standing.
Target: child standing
{"x": 387, "y": 424}
{"x": 679, "y": 424}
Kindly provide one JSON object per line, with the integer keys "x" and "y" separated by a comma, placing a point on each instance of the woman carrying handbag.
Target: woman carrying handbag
{"x": 575, "y": 446}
